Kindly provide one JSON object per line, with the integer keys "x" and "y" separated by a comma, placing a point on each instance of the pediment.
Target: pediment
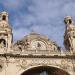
{"x": 36, "y": 42}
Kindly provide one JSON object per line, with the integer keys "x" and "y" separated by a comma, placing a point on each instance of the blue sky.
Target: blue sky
{"x": 42, "y": 16}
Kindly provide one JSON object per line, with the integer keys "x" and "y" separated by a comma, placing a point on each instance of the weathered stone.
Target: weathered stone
{"x": 36, "y": 50}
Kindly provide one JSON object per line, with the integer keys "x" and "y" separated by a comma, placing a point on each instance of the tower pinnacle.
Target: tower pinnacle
{"x": 5, "y": 32}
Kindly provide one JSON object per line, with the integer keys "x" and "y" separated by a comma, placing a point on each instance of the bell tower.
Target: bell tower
{"x": 5, "y": 33}
{"x": 69, "y": 37}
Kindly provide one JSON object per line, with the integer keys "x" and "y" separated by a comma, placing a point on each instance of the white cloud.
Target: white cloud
{"x": 19, "y": 33}
{"x": 44, "y": 10}
{"x": 12, "y": 4}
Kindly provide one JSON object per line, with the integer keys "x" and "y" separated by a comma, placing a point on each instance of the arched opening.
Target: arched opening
{"x": 4, "y": 17}
{"x": 45, "y": 70}
{"x": 2, "y": 43}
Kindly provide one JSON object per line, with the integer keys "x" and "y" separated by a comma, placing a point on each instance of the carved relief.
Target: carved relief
{"x": 38, "y": 62}
{"x": 1, "y": 65}
{"x": 36, "y": 43}
{"x": 66, "y": 64}
{"x": 23, "y": 63}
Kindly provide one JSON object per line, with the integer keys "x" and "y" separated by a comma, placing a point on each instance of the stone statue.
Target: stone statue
{"x": 70, "y": 31}
{"x": 2, "y": 44}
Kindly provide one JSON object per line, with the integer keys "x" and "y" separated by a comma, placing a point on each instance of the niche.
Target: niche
{"x": 2, "y": 43}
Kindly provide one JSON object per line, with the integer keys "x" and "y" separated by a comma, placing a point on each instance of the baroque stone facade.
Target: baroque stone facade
{"x": 35, "y": 51}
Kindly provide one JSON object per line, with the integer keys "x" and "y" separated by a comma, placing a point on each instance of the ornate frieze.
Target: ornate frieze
{"x": 61, "y": 63}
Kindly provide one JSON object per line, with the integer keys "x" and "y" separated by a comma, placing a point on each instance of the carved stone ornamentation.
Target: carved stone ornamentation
{"x": 1, "y": 65}
{"x": 36, "y": 50}
{"x": 22, "y": 63}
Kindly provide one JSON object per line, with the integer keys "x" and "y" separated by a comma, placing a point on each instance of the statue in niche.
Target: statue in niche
{"x": 2, "y": 43}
